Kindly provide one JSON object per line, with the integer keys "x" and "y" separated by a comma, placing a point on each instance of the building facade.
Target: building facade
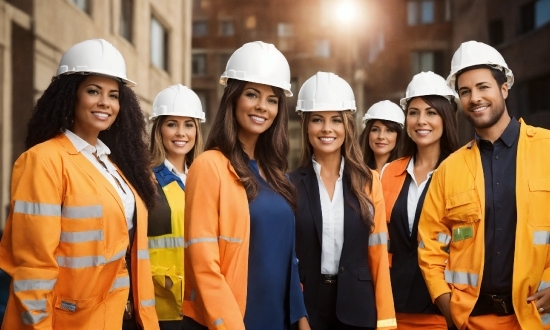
{"x": 154, "y": 37}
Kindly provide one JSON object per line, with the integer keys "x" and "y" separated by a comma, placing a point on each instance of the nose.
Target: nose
{"x": 380, "y": 135}
{"x": 421, "y": 119}
{"x": 475, "y": 96}
{"x": 327, "y": 126}
{"x": 103, "y": 101}
{"x": 180, "y": 130}
{"x": 261, "y": 104}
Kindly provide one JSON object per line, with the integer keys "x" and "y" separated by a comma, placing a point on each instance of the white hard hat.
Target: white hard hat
{"x": 94, "y": 56}
{"x": 472, "y": 53}
{"x": 177, "y": 100}
{"x": 428, "y": 83}
{"x": 385, "y": 110}
{"x": 325, "y": 91}
{"x": 260, "y": 63}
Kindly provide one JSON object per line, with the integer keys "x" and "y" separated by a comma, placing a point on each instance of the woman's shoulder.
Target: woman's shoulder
{"x": 48, "y": 149}
{"x": 211, "y": 156}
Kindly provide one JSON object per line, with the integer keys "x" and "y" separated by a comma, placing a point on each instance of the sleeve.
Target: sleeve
{"x": 378, "y": 260}
{"x": 31, "y": 237}
{"x": 213, "y": 295}
{"x": 297, "y": 304}
{"x": 434, "y": 237}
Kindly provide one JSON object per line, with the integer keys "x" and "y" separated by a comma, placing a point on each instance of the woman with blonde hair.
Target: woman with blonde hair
{"x": 176, "y": 141}
{"x": 341, "y": 232}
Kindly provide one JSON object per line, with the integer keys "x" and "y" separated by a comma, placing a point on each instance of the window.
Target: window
{"x": 420, "y": 12}
{"x": 203, "y": 97}
{"x": 533, "y": 15}
{"x": 126, "y": 18}
{"x": 285, "y": 30}
{"x": 198, "y": 64}
{"x": 542, "y": 12}
{"x": 200, "y": 28}
{"x": 496, "y": 32}
{"x": 322, "y": 48}
{"x": 227, "y": 28}
{"x": 159, "y": 44}
{"x": 427, "y": 61}
{"x": 84, "y": 5}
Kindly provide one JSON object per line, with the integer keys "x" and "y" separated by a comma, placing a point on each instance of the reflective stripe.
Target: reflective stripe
{"x": 82, "y": 212}
{"x": 386, "y": 323}
{"x": 541, "y": 237}
{"x": 148, "y": 302}
{"x": 120, "y": 282}
{"x": 543, "y": 285}
{"x": 165, "y": 242}
{"x": 443, "y": 238}
{"x": 143, "y": 254}
{"x": 25, "y": 285}
{"x": 118, "y": 255}
{"x": 378, "y": 239}
{"x": 201, "y": 240}
{"x": 218, "y": 321}
{"x": 421, "y": 244}
{"x": 29, "y": 318}
{"x": 35, "y": 305}
{"x": 461, "y": 278}
{"x": 545, "y": 318}
{"x": 80, "y": 262}
{"x": 231, "y": 239}
{"x": 81, "y": 236}
{"x": 48, "y": 210}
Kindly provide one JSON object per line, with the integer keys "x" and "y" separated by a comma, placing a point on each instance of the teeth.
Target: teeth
{"x": 258, "y": 119}
{"x": 327, "y": 139}
{"x": 422, "y": 131}
{"x": 180, "y": 143}
{"x": 479, "y": 109}
{"x": 101, "y": 115}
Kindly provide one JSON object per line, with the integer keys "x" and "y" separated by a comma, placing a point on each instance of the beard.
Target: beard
{"x": 497, "y": 111}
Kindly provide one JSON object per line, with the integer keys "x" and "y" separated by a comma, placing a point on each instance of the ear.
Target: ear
{"x": 504, "y": 90}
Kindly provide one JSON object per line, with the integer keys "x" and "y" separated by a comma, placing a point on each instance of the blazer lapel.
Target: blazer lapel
{"x": 351, "y": 214}
{"x": 309, "y": 179}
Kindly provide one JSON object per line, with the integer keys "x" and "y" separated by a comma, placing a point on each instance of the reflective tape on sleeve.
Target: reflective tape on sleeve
{"x": 30, "y": 318}
{"x": 43, "y": 209}
{"x": 541, "y": 237}
{"x": 421, "y": 244}
{"x": 461, "y": 278}
{"x": 143, "y": 254}
{"x": 545, "y": 318}
{"x": 147, "y": 302}
{"x": 218, "y": 322}
{"x": 117, "y": 256}
{"x": 35, "y": 305}
{"x": 443, "y": 238}
{"x": 81, "y": 236}
{"x": 386, "y": 323}
{"x": 165, "y": 242}
{"x": 27, "y": 285}
{"x": 231, "y": 239}
{"x": 80, "y": 262}
{"x": 82, "y": 212}
{"x": 120, "y": 282}
{"x": 378, "y": 239}
{"x": 543, "y": 285}
{"x": 201, "y": 240}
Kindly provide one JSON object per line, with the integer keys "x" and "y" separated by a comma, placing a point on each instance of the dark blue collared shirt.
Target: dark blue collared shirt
{"x": 499, "y": 172}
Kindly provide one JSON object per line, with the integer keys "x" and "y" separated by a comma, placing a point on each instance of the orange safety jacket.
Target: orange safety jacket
{"x": 453, "y": 219}
{"x": 65, "y": 243}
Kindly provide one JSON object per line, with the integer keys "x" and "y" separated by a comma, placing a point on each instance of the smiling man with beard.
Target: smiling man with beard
{"x": 484, "y": 232}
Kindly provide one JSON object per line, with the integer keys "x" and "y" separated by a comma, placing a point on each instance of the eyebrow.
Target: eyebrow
{"x": 477, "y": 85}
{"x": 258, "y": 91}
{"x": 99, "y": 87}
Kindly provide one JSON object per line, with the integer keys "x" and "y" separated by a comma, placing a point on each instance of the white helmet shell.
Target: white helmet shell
{"x": 260, "y": 63}
{"x": 472, "y": 53}
{"x": 325, "y": 91}
{"x": 428, "y": 83}
{"x": 385, "y": 110}
{"x": 177, "y": 100}
{"x": 94, "y": 56}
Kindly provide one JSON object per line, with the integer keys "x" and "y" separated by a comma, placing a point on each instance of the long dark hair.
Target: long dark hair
{"x": 54, "y": 114}
{"x": 447, "y": 110}
{"x": 355, "y": 170}
{"x": 368, "y": 154}
{"x": 271, "y": 148}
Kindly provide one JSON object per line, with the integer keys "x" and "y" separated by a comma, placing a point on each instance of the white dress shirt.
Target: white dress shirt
{"x": 333, "y": 221}
{"x": 415, "y": 191}
{"x": 110, "y": 173}
{"x": 172, "y": 168}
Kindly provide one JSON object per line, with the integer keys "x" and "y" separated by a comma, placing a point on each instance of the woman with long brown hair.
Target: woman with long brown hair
{"x": 341, "y": 232}
{"x": 431, "y": 126}
{"x": 240, "y": 266}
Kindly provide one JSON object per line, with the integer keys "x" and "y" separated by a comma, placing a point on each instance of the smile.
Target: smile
{"x": 327, "y": 139}
{"x": 101, "y": 115}
{"x": 180, "y": 143}
{"x": 423, "y": 132}
{"x": 479, "y": 108}
{"x": 257, "y": 119}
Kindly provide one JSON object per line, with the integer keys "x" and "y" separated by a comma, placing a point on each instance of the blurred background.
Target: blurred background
{"x": 376, "y": 45}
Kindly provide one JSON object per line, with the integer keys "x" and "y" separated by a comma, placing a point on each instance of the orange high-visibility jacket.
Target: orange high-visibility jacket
{"x": 64, "y": 246}
{"x": 454, "y": 217}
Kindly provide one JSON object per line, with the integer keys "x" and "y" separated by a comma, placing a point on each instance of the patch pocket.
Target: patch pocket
{"x": 463, "y": 207}
{"x": 539, "y": 202}
{"x": 363, "y": 273}
{"x": 76, "y": 313}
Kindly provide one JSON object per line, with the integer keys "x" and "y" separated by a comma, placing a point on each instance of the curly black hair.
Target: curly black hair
{"x": 127, "y": 137}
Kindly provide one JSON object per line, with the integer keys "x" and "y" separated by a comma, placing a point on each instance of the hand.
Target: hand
{"x": 444, "y": 304}
{"x": 168, "y": 282}
{"x": 303, "y": 324}
{"x": 542, "y": 300}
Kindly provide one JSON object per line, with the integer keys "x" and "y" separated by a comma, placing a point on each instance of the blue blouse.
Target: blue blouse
{"x": 274, "y": 295}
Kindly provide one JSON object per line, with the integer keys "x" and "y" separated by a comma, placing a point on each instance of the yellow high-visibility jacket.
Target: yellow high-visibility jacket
{"x": 65, "y": 243}
{"x": 455, "y": 204}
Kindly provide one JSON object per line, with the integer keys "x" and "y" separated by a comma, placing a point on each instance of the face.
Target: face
{"x": 382, "y": 139}
{"x": 96, "y": 106}
{"x": 481, "y": 98}
{"x": 326, "y": 132}
{"x": 178, "y": 135}
{"x": 423, "y": 123}
{"x": 256, "y": 109}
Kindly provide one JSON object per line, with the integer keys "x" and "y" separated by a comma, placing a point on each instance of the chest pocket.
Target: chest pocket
{"x": 463, "y": 207}
{"x": 539, "y": 202}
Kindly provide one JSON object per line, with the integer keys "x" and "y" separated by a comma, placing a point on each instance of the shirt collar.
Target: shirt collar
{"x": 172, "y": 168}
{"x": 317, "y": 166}
{"x": 410, "y": 170}
{"x": 510, "y": 134}
{"x": 80, "y": 144}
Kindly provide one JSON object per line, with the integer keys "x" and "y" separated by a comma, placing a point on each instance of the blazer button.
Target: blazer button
{"x": 341, "y": 269}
